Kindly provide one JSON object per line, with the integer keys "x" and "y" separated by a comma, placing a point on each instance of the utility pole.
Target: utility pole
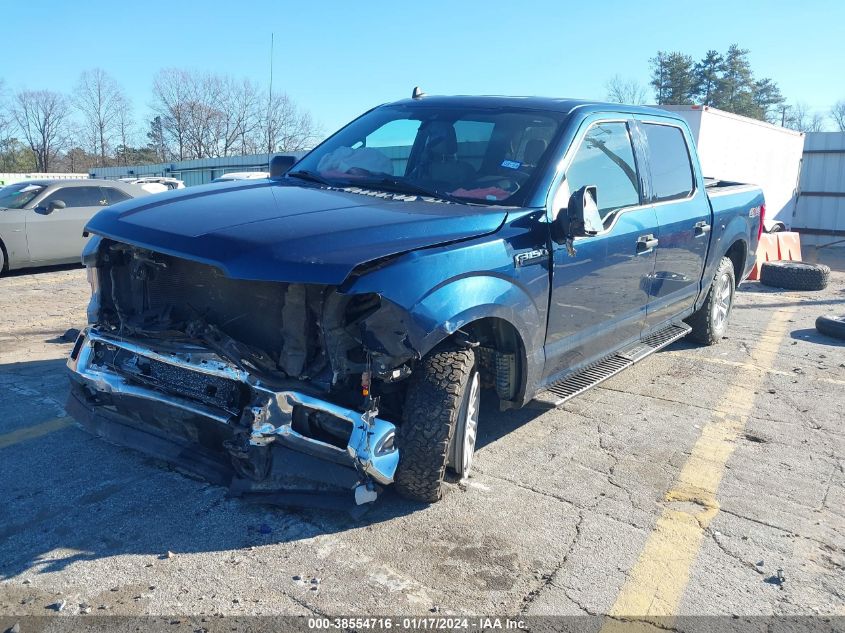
{"x": 270, "y": 102}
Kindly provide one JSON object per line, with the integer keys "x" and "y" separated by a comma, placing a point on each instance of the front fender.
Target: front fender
{"x": 443, "y": 289}
{"x": 462, "y": 300}
{"x": 430, "y": 294}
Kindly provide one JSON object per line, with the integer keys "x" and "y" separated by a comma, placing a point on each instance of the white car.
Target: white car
{"x": 41, "y": 221}
{"x": 155, "y": 184}
{"x": 242, "y": 175}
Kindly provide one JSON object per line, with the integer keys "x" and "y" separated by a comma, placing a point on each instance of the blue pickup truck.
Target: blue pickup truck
{"x": 336, "y": 323}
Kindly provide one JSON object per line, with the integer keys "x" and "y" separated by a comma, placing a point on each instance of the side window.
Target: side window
{"x": 671, "y": 170}
{"x": 606, "y": 159}
{"x": 75, "y": 196}
{"x": 111, "y": 195}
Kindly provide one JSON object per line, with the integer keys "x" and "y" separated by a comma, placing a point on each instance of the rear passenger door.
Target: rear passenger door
{"x": 683, "y": 218}
{"x": 57, "y": 237}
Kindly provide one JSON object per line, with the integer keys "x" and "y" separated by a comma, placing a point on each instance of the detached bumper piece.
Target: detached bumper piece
{"x": 184, "y": 403}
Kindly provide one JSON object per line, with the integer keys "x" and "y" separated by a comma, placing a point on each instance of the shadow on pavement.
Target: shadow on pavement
{"x": 22, "y": 272}
{"x": 812, "y": 335}
{"x": 70, "y": 496}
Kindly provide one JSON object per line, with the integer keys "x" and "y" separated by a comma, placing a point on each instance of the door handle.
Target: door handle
{"x": 701, "y": 228}
{"x": 645, "y": 243}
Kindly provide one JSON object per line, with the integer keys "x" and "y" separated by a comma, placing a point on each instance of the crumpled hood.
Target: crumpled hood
{"x": 265, "y": 230}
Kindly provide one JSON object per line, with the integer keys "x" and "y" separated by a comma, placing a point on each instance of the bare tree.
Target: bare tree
{"x": 801, "y": 119}
{"x": 239, "y": 104}
{"x": 837, "y": 113}
{"x": 40, "y": 115}
{"x": 817, "y": 122}
{"x": 287, "y": 128}
{"x": 100, "y": 100}
{"x": 171, "y": 101}
{"x": 5, "y": 120}
{"x": 126, "y": 130}
{"x": 204, "y": 115}
{"x": 621, "y": 90}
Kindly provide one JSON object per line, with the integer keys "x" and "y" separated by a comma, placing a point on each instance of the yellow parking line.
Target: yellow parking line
{"x": 656, "y": 583}
{"x": 32, "y": 432}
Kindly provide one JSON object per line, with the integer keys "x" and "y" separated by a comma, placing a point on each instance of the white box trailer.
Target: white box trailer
{"x": 737, "y": 148}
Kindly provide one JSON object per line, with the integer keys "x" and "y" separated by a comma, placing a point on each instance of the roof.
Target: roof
{"x": 548, "y": 104}
{"x": 83, "y": 182}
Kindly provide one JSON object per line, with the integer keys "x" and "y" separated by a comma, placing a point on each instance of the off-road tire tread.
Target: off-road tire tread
{"x": 701, "y": 321}
{"x": 788, "y": 276}
{"x": 831, "y": 326}
{"x": 432, "y": 405}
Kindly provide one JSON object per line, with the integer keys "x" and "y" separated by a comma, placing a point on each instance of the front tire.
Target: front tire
{"x": 710, "y": 322}
{"x": 443, "y": 388}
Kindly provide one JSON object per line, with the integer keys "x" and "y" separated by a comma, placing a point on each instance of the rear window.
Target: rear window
{"x": 671, "y": 170}
{"x": 112, "y": 195}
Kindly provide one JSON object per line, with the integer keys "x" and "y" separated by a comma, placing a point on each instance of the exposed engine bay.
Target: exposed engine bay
{"x": 181, "y": 347}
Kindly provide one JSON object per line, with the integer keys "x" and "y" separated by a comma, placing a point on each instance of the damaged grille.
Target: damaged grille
{"x": 208, "y": 389}
{"x": 271, "y": 324}
{"x": 184, "y": 291}
{"x": 307, "y": 332}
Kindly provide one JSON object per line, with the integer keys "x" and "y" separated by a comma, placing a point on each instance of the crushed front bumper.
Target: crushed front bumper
{"x": 187, "y": 394}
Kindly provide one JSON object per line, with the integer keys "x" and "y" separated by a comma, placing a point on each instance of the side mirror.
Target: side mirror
{"x": 279, "y": 165}
{"x": 580, "y": 218}
{"x": 51, "y": 206}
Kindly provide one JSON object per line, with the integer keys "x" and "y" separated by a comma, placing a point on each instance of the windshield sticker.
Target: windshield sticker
{"x": 511, "y": 164}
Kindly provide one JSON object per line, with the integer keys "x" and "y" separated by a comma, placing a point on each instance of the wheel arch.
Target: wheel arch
{"x": 737, "y": 252}
{"x": 5, "y": 265}
{"x": 501, "y": 337}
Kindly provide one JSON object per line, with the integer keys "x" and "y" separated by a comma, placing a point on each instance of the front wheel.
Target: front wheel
{"x": 710, "y": 322}
{"x": 439, "y": 423}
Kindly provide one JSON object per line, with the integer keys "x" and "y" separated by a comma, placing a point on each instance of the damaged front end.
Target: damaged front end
{"x": 269, "y": 386}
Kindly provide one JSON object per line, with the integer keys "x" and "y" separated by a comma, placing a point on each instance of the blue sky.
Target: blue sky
{"x": 338, "y": 59}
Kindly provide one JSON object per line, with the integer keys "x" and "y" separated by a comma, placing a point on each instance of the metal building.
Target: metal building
{"x": 191, "y": 172}
{"x": 820, "y": 211}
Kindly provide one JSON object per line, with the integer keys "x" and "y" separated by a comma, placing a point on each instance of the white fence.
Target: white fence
{"x": 9, "y": 178}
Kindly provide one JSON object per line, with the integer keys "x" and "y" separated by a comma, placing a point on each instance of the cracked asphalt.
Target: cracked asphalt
{"x": 714, "y": 466}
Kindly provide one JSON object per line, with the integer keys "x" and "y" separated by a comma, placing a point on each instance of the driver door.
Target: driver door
{"x": 57, "y": 237}
{"x": 600, "y": 293}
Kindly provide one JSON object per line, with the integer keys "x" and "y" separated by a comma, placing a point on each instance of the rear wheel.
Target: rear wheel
{"x": 439, "y": 423}
{"x": 710, "y": 322}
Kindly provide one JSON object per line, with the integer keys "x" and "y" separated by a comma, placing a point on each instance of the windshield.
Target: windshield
{"x": 18, "y": 195}
{"x": 464, "y": 154}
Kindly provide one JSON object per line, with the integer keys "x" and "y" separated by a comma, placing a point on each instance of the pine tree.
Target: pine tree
{"x": 707, "y": 77}
{"x": 735, "y": 88}
{"x": 767, "y": 99}
{"x": 672, "y": 78}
